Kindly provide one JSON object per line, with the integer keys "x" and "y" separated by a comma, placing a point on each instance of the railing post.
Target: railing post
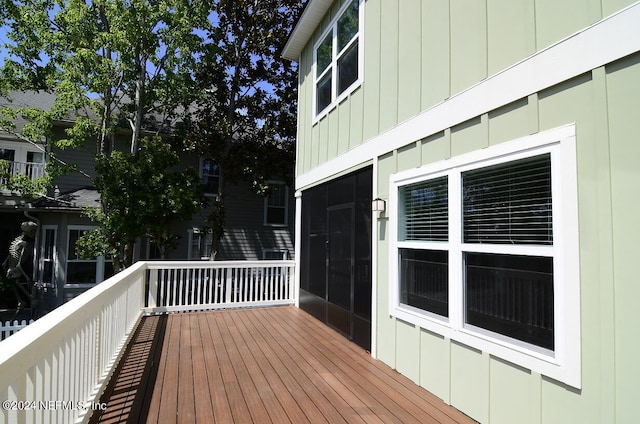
{"x": 152, "y": 296}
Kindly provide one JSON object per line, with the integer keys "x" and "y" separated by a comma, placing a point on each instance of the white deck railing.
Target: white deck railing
{"x": 55, "y": 369}
{"x": 196, "y": 286}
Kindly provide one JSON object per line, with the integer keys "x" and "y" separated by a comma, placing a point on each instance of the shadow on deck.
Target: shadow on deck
{"x": 267, "y": 365}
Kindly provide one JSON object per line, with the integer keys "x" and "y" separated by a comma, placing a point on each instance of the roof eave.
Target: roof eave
{"x": 311, "y": 17}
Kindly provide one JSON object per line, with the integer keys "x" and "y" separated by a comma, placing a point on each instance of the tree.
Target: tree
{"x": 247, "y": 120}
{"x": 115, "y": 66}
{"x": 133, "y": 212}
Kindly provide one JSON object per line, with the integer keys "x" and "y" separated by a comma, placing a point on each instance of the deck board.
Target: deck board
{"x": 263, "y": 365}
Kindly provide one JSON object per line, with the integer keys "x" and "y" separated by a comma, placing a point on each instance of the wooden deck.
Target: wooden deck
{"x": 270, "y": 365}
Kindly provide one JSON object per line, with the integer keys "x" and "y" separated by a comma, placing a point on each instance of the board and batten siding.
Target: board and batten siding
{"x": 603, "y": 104}
{"x": 419, "y": 55}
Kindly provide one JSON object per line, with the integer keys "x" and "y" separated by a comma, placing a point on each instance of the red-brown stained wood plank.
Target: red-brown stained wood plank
{"x": 293, "y": 379}
{"x": 297, "y": 404}
{"x": 404, "y": 390}
{"x": 186, "y": 410}
{"x": 332, "y": 403}
{"x": 167, "y": 386}
{"x": 358, "y": 384}
{"x": 254, "y": 401}
{"x": 219, "y": 401}
{"x": 202, "y": 395}
{"x": 235, "y": 397}
{"x": 266, "y": 389}
{"x": 269, "y": 365}
{"x": 361, "y": 405}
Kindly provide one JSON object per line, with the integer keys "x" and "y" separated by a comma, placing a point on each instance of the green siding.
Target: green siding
{"x": 436, "y": 147}
{"x": 418, "y": 53}
{"x": 435, "y": 364}
{"x": 588, "y": 101}
{"x": 469, "y": 381}
{"x": 435, "y": 68}
{"x": 556, "y": 20}
{"x": 468, "y": 44}
{"x": 507, "y": 122}
{"x": 624, "y": 104}
{"x": 504, "y": 377}
{"x": 371, "y": 89}
{"x": 408, "y": 350}
{"x": 469, "y": 136}
{"x": 458, "y": 45}
{"x": 510, "y": 32}
{"x": 389, "y": 46}
{"x": 408, "y": 64}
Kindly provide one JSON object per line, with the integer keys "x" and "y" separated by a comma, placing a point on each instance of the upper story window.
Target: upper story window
{"x": 337, "y": 58}
{"x": 485, "y": 251}
{"x": 210, "y": 176}
{"x": 276, "y": 204}
{"x": 21, "y": 158}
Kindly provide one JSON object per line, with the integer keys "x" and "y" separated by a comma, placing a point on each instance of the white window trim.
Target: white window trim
{"x": 564, "y": 364}
{"x": 201, "y": 174}
{"x": 99, "y": 261}
{"x": 335, "y": 98}
{"x": 191, "y": 232}
{"x": 43, "y": 233}
{"x": 286, "y": 206}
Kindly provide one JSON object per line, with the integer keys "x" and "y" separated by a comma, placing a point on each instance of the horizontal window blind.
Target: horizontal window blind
{"x": 509, "y": 203}
{"x": 425, "y": 210}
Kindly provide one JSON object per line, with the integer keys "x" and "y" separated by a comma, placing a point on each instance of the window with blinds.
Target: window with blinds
{"x": 509, "y": 203}
{"x": 425, "y": 210}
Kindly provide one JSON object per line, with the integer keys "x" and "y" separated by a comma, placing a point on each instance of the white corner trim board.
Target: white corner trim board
{"x": 605, "y": 41}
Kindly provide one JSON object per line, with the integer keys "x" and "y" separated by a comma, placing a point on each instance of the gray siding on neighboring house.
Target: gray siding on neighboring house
{"x": 246, "y": 236}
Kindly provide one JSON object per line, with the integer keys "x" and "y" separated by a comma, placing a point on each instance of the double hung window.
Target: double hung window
{"x": 210, "y": 176}
{"x": 485, "y": 251}
{"x": 200, "y": 244}
{"x": 276, "y": 204}
{"x": 337, "y": 58}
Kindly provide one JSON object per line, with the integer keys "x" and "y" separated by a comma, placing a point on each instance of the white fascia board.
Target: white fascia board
{"x": 311, "y": 17}
{"x": 610, "y": 39}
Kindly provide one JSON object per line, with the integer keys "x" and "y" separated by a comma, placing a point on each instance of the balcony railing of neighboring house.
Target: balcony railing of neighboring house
{"x": 55, "y": 369}
{"x": 33, "y": 170}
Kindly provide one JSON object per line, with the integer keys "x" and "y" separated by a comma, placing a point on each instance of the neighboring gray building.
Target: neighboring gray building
{"x": 257, "y": 227}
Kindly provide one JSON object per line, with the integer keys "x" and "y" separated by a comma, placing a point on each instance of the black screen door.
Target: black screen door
{"x": 340, "y": 266}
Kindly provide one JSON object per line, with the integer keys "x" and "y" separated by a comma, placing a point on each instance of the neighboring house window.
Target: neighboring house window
{"x": 276, "y": 204}
{"x": 84, "y": 271}
{"x": 482, "y": 252}
{"x": 338, "y": 58}
{"x": 275, "y": 254}
{"x": 200, "y": 244}
{"x": 210, "y": 175}
{"x": 48, "y": 255}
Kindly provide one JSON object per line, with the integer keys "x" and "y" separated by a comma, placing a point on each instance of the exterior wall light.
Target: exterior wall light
{"x": 378, "y": 205}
